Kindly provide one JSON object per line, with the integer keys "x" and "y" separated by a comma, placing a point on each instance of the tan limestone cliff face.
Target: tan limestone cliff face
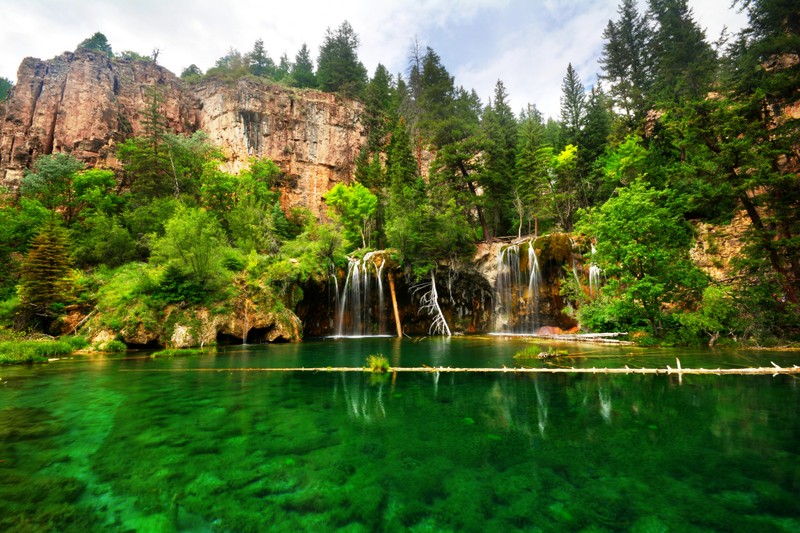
{"x": 716, "y": 246}
{"x": 83, "y": 103}
{"x": 313, "y": 136}
{"x": 86, "y": 103}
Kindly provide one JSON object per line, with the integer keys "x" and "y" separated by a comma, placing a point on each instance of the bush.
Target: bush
{"x": 76, "y": 342}
{"x": 114, "y": 346}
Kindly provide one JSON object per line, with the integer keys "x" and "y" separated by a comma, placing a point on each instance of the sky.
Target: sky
{"x": 525, "y": 43}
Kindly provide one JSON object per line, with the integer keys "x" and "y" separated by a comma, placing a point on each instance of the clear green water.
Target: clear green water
{"x": 161, "y": 445}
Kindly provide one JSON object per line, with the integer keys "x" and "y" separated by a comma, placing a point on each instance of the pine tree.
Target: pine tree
{"x": 379, "y": 104}
{"x": 259, "y": 62}
{"x": 528, "y": 182}
{"x": 338, "y": 67}
{"x": 500, "y": 131}
{"x": 593, "y": 140}
{"x": 303, "y": 69}
{"x": 684, "y": 63}
{"x": 626, "y": 62}
{"x": 44, "y": 279}
{"x": 573, "y": 105}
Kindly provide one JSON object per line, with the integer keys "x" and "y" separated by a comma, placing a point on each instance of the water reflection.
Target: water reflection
{"x": 195, "y": 444}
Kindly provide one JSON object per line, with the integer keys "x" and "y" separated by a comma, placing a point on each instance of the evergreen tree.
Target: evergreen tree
{"x": 627, "y": 64}
{"x": 434, "y": 100}
{"x": 303, "y": 69}
{"x": 529, "y": 182}
{"x": 500, "y": 130}
{"x": 684, "y": 63}
{"x": 284, "y": 67}
{"x": 258, "y": 61}
{"x": 379, "y": 104}
{"x": 5, "y": 87}
{"x": 338, "y": 67}
{"x": 44, "y": 281}
{"x": 593, "y": 140}
{"x": 573, "y": 105}
{"x": 146, "y": 158}
{"x": 97, "y": 42}
{"x": 51, "y": 182}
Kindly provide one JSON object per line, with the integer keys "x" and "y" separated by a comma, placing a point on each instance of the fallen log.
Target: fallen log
{"x": 774, "y": 370}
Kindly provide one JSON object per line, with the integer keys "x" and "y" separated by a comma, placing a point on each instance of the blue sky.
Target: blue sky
{"x": 525, "y": 43}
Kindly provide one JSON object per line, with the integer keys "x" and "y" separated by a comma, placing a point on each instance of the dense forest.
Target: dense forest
{"x": 679, "y": 131}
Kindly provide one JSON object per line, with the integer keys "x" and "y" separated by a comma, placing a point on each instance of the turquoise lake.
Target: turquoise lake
{"x": 210, "y": 443}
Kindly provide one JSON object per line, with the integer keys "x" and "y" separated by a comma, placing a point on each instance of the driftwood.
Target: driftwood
{"x": 394, "y": 307}
{"x": 679, "y": 371}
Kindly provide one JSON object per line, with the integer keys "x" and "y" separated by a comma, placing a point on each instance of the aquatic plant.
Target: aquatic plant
{"x": 378, "y": 363}
{"x": 537, "y": 352}
{"x": 20, "y": 352}
{"x": 173, "y": 352}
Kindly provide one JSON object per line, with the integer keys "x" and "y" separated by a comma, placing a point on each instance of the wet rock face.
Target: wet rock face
{"x": 86, "y": 103}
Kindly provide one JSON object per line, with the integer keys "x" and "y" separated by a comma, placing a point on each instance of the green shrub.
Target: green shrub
{"x": 378, "y": 363}
{"x": 113, "y": 346}
{"x": 77, "y": 342}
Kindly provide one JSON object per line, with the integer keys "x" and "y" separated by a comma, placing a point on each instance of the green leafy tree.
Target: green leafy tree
{"x": 51, "y": 181}
{"x": 338, "y": 67}
{"x": 104, "y": 240}
{"x": 232, "y": 65}
{"x": 642, "y": 246}
{"x": 303, "y": 69}
{"x": 193, "y": 244}
{"x": 192, "y": 73}
{"x": 45, "y": 273}
{"x": 355, "y": 206}
{"x": 98, "y": 42}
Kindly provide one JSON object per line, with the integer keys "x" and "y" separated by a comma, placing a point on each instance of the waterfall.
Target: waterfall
{"x": 594, "y": 277}
{"x": 517, "y": 289}
{"x": 356, "y": 313}
{"x": 381, "y": 302}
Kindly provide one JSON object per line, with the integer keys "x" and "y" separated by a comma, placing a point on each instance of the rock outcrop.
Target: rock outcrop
{"x": 313, "y": 136}
{"x": 83, "y": 103}
{"x": 86, "y": 103}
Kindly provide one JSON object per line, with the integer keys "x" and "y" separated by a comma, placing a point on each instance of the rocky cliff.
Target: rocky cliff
{"x": 85, "y": 103}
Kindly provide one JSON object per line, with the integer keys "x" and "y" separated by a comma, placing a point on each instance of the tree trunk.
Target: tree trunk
{"x": 774, "y": 258}
{"x": 394, "y": 307}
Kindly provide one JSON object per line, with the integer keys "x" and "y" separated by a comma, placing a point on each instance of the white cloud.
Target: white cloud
{"x": 525, "y": 43}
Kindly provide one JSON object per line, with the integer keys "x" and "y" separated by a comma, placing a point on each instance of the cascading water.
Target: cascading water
{"x": 517, "y": 289}
{"x": 356, "y": 313}
{"x": 594, "y": 277}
